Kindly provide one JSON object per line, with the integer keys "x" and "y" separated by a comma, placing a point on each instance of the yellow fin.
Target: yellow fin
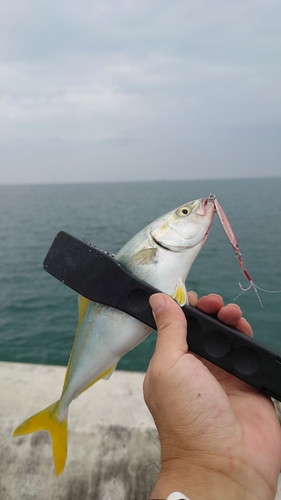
{"x": 46, "y": 420}
{"x": 105, "y": 375}
{"x": 82, "y": 307}
{"x": 180, "y": 294}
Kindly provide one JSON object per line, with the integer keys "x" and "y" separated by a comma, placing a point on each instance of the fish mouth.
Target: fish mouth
{"x": 163, "y": 246}
{"x": 207, "y": 233}
{"x": 203, "y": 206}
{"x": 169, "y": 248}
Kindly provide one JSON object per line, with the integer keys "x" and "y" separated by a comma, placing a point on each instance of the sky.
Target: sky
{"x": 130, "y": 90}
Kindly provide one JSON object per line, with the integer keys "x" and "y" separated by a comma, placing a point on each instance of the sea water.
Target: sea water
{"x": 38, "y": 314}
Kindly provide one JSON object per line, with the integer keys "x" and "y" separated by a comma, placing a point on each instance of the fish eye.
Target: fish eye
{"x": 183, "y": 211}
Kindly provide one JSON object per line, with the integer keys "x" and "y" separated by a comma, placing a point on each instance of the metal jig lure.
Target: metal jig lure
{"x": 234, "y": 243}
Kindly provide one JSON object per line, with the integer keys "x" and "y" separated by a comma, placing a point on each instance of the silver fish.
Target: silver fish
{"x": 161, "y": 254}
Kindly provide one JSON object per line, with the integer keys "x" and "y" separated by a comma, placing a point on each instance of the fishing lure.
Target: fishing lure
{"x": 234, "y": 243}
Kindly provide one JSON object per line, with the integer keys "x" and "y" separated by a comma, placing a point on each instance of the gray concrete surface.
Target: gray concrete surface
{"x": 113, "y": 448}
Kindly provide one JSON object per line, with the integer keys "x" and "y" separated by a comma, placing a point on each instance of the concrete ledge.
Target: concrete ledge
{"x": 113, "y": 451}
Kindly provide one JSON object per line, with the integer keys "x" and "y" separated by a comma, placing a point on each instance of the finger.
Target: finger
{"x": 244, "y": 327}
{"x": 192, "y": 298}
{"x": 171, "y": 326}
{"x": 210, "y": 304}
{"x": 230, "y": 314}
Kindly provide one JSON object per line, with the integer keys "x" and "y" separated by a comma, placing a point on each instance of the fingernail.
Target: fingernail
{"x": 157, "y": 302}
{"x": 233, "y": 304}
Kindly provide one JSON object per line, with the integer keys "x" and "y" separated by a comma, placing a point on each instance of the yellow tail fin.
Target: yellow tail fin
{"x": 46, "y": 420}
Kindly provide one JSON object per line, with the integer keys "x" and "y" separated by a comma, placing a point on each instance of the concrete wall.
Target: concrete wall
{"x": 113, "y": 450}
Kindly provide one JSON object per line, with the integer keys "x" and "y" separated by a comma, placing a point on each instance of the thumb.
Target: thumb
{"x": 171, "y": 326}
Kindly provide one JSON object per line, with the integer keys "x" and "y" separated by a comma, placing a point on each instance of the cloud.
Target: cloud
{"x": 135, "y": 87}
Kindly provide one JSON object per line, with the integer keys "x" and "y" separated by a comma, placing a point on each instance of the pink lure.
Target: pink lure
{"x": 234, "y": 243}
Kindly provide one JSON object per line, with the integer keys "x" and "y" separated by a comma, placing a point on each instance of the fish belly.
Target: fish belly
{"x": 105, "y": 335}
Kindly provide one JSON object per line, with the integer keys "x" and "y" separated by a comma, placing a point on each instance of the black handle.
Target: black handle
{"x": 95, "y": 274}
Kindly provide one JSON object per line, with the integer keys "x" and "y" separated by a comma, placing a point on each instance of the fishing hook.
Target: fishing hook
{"x": 234, "y": 243}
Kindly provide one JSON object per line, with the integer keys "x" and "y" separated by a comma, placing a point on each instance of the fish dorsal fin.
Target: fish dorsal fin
{"x": 180, "y": 294}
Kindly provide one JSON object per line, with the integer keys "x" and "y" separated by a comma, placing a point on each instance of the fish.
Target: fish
{"x": 161, "y": 254}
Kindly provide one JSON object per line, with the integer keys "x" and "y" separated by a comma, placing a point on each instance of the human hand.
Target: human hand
{"x": 220, "y": 438}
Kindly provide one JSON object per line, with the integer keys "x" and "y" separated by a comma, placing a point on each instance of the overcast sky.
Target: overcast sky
{"x": 121, "y": 90}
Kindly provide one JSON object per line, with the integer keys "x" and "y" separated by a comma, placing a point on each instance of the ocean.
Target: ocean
{"x": 38, "y": 314}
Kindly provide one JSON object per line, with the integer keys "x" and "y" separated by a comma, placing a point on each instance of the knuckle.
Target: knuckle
{"x": 166, "y": 324}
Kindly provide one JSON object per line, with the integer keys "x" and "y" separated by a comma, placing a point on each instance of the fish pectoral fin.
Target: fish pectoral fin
{"x": 147, "y": 255}
{"x": 46, "y": 420}
{"x": 180, "y": 294}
